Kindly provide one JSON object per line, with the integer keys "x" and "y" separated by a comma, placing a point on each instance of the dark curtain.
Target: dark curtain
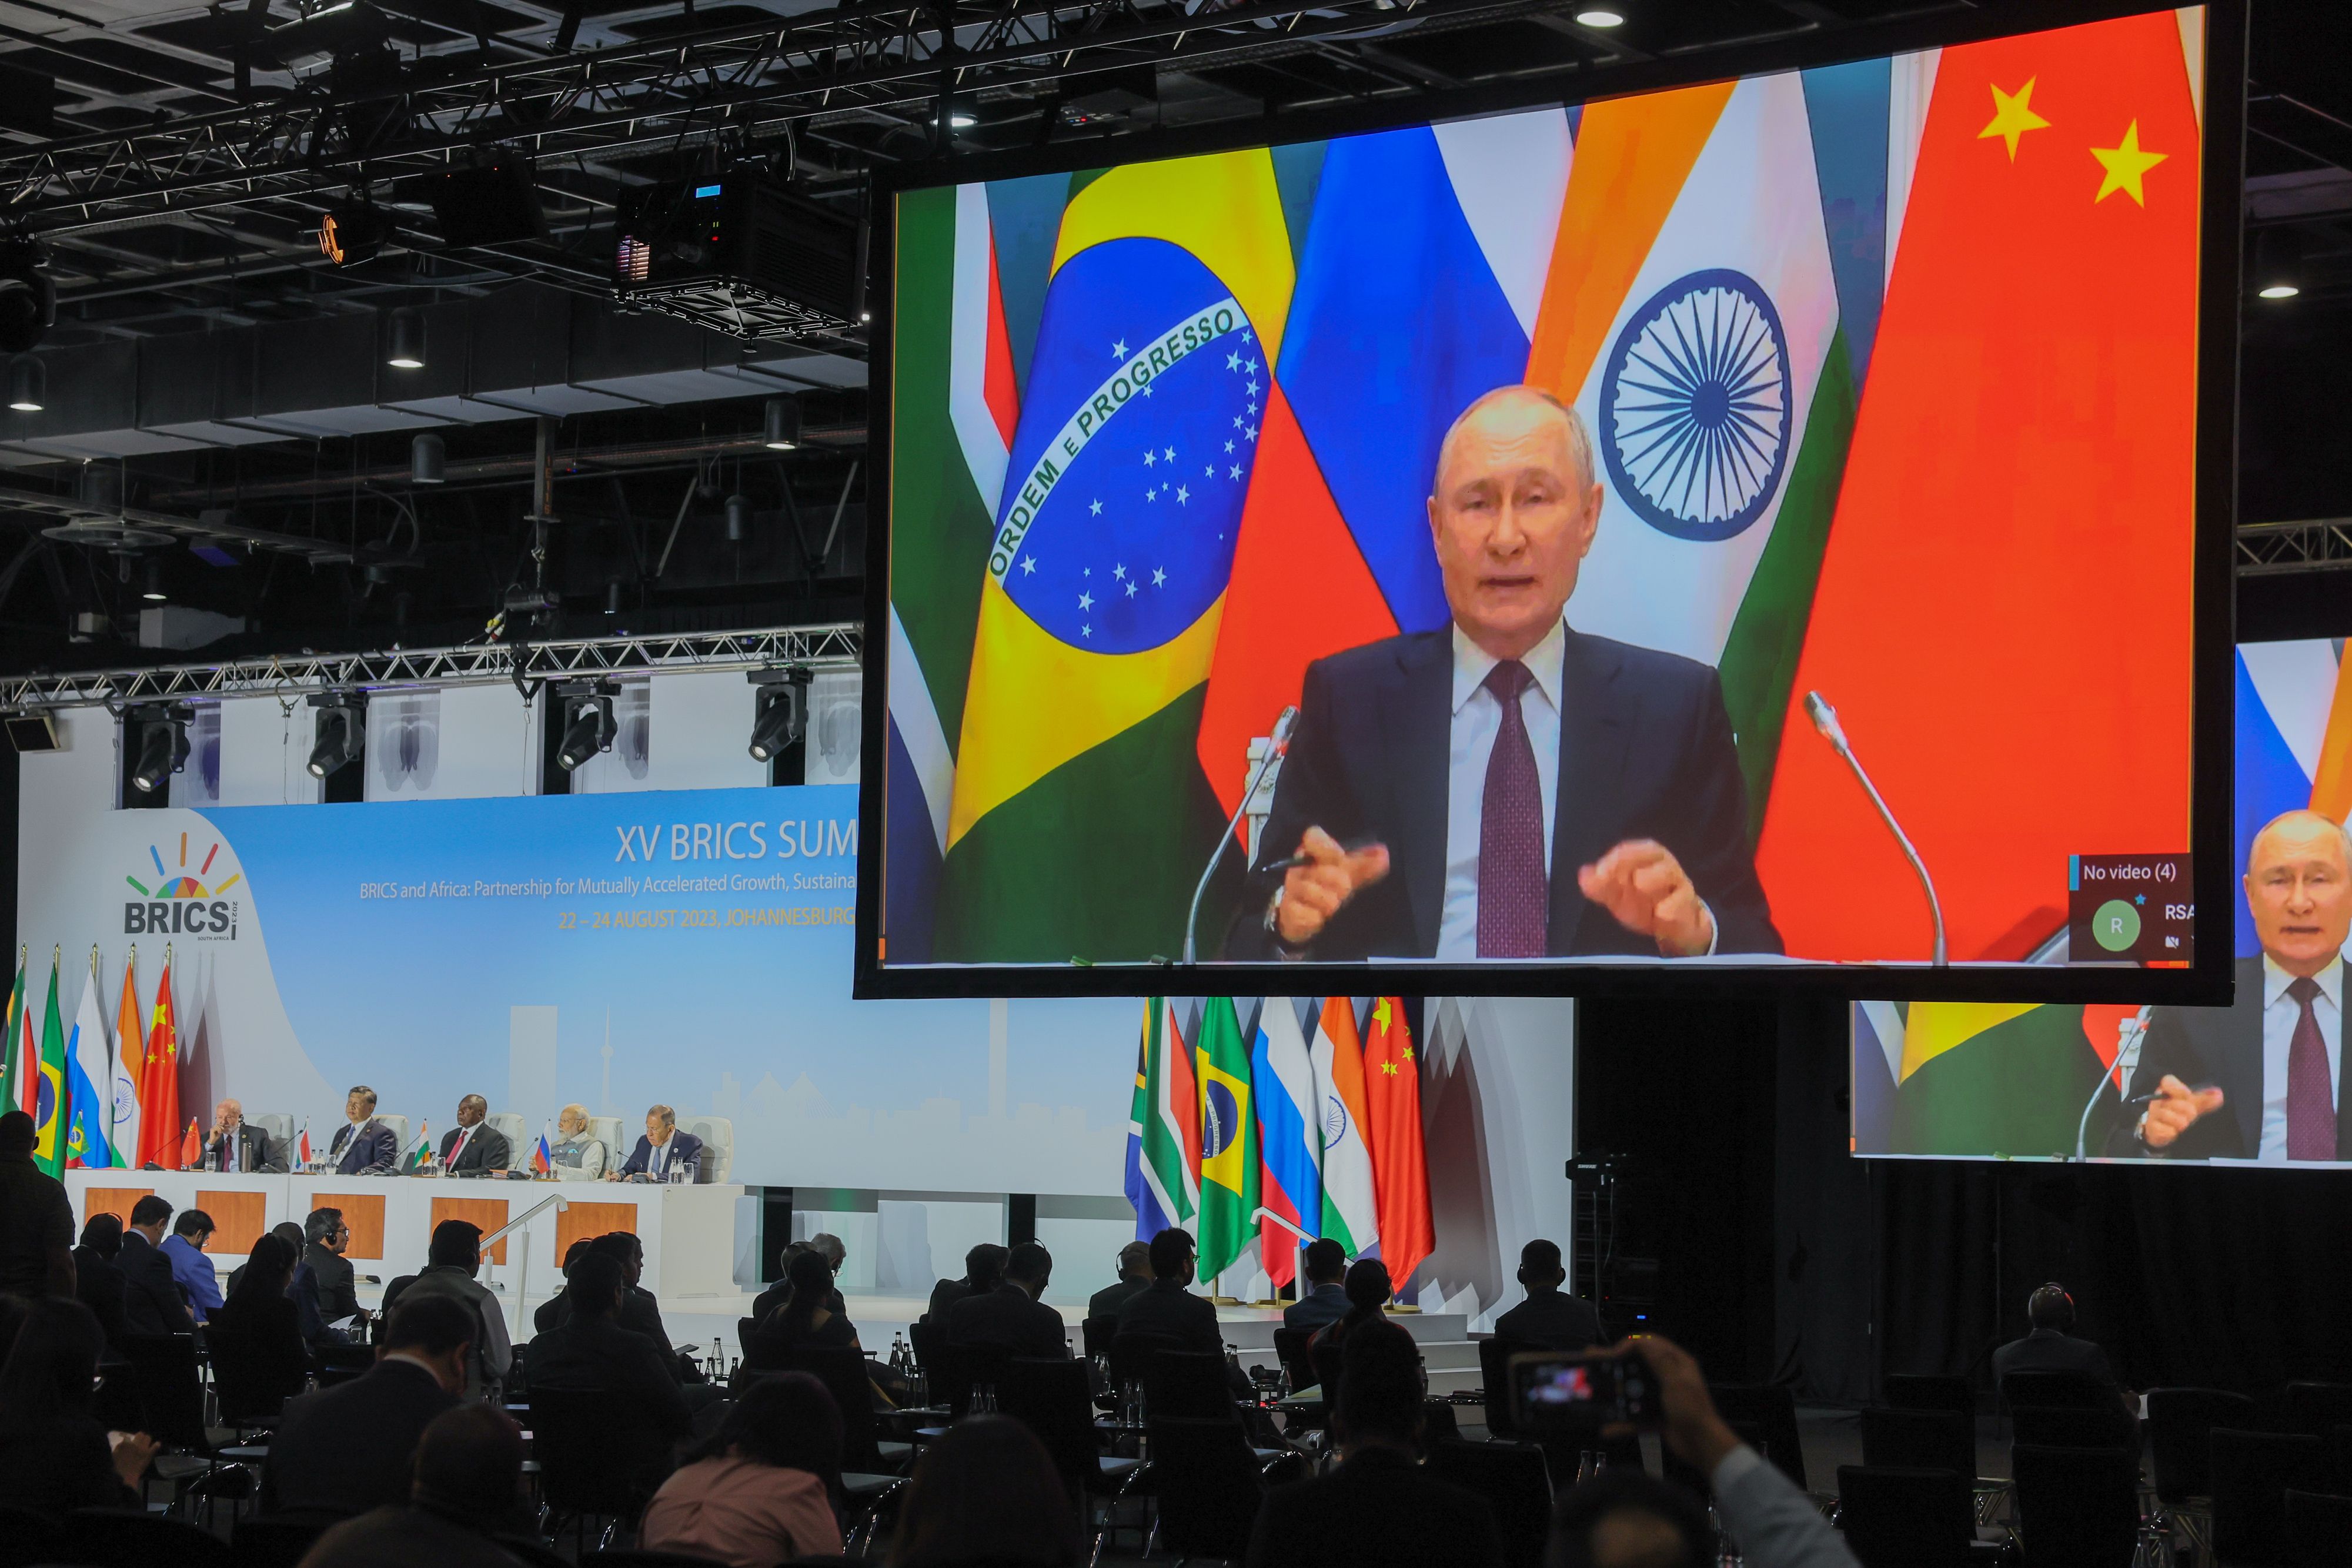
{"x": 1825, "y": 1232}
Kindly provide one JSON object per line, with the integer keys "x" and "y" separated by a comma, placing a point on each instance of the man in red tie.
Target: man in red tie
{"x": 1507, "y": 787}
{"x": 2259, "y": 1080}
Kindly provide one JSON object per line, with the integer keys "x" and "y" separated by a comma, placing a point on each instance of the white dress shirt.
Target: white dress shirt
{"x": 2280, "y": 1012}
{"x": 1478, "y": 720}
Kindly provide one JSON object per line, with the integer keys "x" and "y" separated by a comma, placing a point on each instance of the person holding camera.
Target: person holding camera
{"x": 1625, "y": 1516}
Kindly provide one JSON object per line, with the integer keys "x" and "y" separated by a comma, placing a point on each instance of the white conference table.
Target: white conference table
{"x": 692, "y": 1234}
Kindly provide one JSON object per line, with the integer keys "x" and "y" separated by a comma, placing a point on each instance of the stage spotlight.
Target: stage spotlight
{"x": 29, "y": 384}
{"x": 2278, "y": 264}
{"x": 340, "y": 730}
{"x": 780, "y": 424}
{"x": 153, "y": 587}
{"x": 587, "y": 730}
{"x": 1594, "y": 16}
{"x": 353, "y": 234}
{"x": 782, "y": 714}
{"x": 739, "y": 518}
{"x": 29, "y": 300}
{"x": 163, "y": 747}
{"x": 407, "y": 351}
{"x": 428, "y": 461}
{"x": 612, "y": 596}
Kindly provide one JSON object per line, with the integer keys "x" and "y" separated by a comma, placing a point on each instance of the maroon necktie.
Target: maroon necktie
{"x": 2310, "y": 1092}
{"x": 1514, "y": 894}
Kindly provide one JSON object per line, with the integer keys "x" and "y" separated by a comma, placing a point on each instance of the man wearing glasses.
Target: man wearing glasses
{"x": 329, "y": 1238}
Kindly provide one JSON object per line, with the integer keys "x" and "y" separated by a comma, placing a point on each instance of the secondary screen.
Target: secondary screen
{"x": 1608, "y": 489}
{"x": 2254, "y": 1081}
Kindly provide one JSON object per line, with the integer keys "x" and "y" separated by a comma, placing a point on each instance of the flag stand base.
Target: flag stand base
{"x": 1226, "y": 1300}
{"x": 1399, "y": 1308}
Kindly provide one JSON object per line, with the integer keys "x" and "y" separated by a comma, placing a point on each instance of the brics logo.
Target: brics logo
{"x": 178, "y": 905}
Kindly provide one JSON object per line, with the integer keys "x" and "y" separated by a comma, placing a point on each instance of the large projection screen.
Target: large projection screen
{"x": 1761, "y": 530}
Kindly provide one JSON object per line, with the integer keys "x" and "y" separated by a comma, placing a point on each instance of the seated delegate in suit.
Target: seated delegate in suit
{"x": 663, "y": 1154}
{"x": 1325, "y": 1263}
{"x": 1167, "y": 1307}
{"x": 349, "y": 1448}
{"x": 471, "y": 1147}
{"x": 1379, "y": 1507}
{"x": 456, "y": 1254}
{"x": 1011, "y": 1317}
{"x": 2261, "y": 1079}
{"x": 1507, "y": 787}
{"x": 1134, "y": 1275}
{"x": 805, "y": 1317}
{"x": 549, "y": 1312}
{"x": 466, "y": 1492}
{"x": 191, "y": 1270}
{"x": 1549, "y": 1319}
{"x": 2051, "y": 1347}
{"x": 592, "y": 1350}
{"x": 362, "y": 1146}
{"x": 576, "y": 1156}
{"x": 758, "y": 1490}
{"x": 982, "y": 1267}
{"x": 261, "y": 1313}
{"x": 287, "y": 1230}
{"x": 97, "y": 1281}
{"x": 54, "y": 1454}
{"x": 326, "y": 1238}
{"x": 233, "y": 1145}
{"x": 151, "y": 1303}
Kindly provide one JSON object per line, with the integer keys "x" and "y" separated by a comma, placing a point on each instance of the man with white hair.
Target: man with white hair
{"x": 2260, "y": 1079}
{"x": 1507, "y": 787}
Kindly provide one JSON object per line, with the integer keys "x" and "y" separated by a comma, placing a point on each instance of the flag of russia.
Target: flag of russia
{"x": 1291, "y": 1190}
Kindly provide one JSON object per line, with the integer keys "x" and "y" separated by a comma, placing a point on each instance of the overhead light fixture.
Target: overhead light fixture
{"x": 612, "y": 596}
{"x": 782, "y": 714}
{"x": 739, "y": 518}
{"x": 587, "y": 727}
{"x": 428, "y": 461}
{"x": 162, "y": 745}
{"x": 957, "y": 121}
{"x": 29, "y": 384}
{"x": 1595, "y": 16}
{"x": 407, "y": 352}
{"x": 29, "y": 300}
{"x": 353, "y": 234}
{"x": 2278, "y": 264}
{"x": 153, "y": 590}
{"x": 339, "y": 730}
{"x": 780, "y": 425}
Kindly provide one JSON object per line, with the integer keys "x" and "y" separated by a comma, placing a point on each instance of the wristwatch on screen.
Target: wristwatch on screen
{"x": 1287, "y": 952}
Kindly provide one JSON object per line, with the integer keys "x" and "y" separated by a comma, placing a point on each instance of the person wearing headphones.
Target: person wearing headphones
{"x": 1549, "y": 1319}
{"x": 2052, "y": 1347}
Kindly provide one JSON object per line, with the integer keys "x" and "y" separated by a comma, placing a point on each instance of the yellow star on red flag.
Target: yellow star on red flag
{"x": 2125, "y": 164}
{"x": 2014, "y": 116}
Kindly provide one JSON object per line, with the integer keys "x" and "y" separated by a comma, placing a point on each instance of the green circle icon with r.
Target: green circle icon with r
{"x": 2116, "y": 926}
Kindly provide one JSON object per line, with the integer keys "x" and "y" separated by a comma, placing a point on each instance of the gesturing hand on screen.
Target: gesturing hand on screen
{"x": 1312, "y": 894}
{"x": 1646, "y": 888}
{"x": 2174, "y": 1109}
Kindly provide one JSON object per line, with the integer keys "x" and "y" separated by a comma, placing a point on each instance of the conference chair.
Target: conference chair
{"x": 104, "y": 1538}
{"x": 519, "y": 1142}
{"x": 1771, "y": 1409}
{"x": 842, "y": 1372}
{"x": 1209, "y": 1485}
{"x": 718, "y": 1135}
{"x": 2252, "y": 1473}
{"x": 1494, "y": 1371}
{"x": 2076, "y": 1507}
{"x": 2315, "y": 1408}
{"x": 1929, "y": 1391}
{"x": 274, "y": 1542}
{"x": 1513, "y": 1479}
{"x": 2318, "y": 1529}
{"x": 1919, "y": 1439}
{"x": 1096, "y": 1333}
{"x": 279, "y": 1125}
{"x": 241, "y": 1394}
{"x": 1905, "y": 1518}
{"x": 1054, "y": 1399}
{"x": 399, "y": 1126}
{"x": 1133, "y": 1356}
{"x": 2180, "y": 1423}
{"x": 2069, "y": 1428}
{"x": 606, "y": 1130}
{"x": 1188, "y": 1384}
{"x": 27, "y": 1538}
{"x": 2055, "y": 1390}
{"x": 589, "y": 1467}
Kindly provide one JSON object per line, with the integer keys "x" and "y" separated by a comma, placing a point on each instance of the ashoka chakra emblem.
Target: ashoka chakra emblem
{"x": 1694, "y": 406}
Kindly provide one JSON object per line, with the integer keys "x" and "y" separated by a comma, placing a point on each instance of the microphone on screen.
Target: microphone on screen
{"x": 2128, "y": 1041}
{"x": 1825, "y": 719}
{"x": 1284, "y": 725}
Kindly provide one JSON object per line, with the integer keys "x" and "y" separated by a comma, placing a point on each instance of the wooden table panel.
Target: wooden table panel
{"x": 586, "y": 1221}
{"x": 238, "y": 1219}
{"x": 489, "y": 1213}
{"x": 363, "y": 1212}
{"x": 114, "y": 1200}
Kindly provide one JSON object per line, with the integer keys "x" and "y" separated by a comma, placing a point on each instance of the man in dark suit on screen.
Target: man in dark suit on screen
{"x": 363, "y": 1145}
{"x": 2260, "y": 1079}
{"x": 1508, "y": 788}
